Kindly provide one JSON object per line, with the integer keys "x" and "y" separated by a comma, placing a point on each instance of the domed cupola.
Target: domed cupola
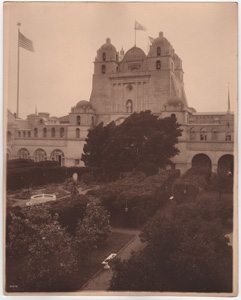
{"x": 134, "y": 54}
{"x": 107, "y": 52}
{"x": 134, "y": 60}
{"x": 83, "y": 104}
{"x": 160, "y": 47}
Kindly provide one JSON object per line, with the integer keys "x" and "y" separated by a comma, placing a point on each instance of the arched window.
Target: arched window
{"x": 93, "y": 120}
{"x": 61, "y": 133}
{"x": 78, "y": 120}
{"x": 23, "y": 154}
{"x": 9, "y": 136}
{"x": 53, "y": 132}
{"x": 173, "y": 116}
{"x": 203, "y": 134}
{"x": 58, "y": 155}
{"x": 45, "y": 132}
{"x": 192, "y": 134}
{"x": 104, "y": 56}
{"x": 214, "y": 134}
{"x": 19, "y": 133}
{"x": 158, "y": 51}
{"x": 39, "y": 155}
{"x": 35, "y": 132}
{"x": 103, "y": 69}
{"x": 228, "y": 137}
{"x": 129, "y": 106}
{"x": 77, "y": 133}
{"x": 24, "y": 134}
{"x": 158, "y": 64}
{"x": 29, "y": 133}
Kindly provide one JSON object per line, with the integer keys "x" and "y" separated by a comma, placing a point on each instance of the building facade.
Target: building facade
{"x": 124, "y": 83}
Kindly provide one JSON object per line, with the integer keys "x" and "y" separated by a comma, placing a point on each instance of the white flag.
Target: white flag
{"x": 138, "y": 26}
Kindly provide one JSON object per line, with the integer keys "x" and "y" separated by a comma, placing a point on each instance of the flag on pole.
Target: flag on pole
{"x": 151, "y": 39}
{"x": 24, "y": 42}
{"x": 138, "y": 26}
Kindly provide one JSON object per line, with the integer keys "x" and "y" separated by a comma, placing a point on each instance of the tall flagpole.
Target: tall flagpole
{"x": 19, "y": 24}
{"x": 135, "y": 33}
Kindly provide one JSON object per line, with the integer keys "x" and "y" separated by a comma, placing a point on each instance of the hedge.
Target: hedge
{"x": 36, "y": 175}
{"x": 134, "y": 199}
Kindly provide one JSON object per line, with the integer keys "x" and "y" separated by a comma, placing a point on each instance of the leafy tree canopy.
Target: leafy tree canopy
{"x": 184, "y": 252}
{"x": 141, "y": 138}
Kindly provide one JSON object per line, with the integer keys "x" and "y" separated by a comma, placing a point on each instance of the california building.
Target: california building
{"x": 124, "y": 83}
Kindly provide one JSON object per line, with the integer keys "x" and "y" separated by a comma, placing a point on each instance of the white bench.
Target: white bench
{"x": 105, "y": 262}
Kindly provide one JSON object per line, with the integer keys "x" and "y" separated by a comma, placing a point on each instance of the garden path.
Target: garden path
{"x": 101, "y": 280}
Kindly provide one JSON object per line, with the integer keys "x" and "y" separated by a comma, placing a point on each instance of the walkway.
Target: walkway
{"x": 101, "y": 280}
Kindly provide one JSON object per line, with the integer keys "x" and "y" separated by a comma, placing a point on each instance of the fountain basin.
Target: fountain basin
{"x": 41, "y": 198}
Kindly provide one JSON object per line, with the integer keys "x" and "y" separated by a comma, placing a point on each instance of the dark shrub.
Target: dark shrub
{"x": 47, "y": 163}
{"x": 133, "y": 199}
{"x": 70, "y": 210}
{"x": 221, "y": 183}
{"x": 87, "y": 178}
{"x": 148, "y": 168}
{"x": 186, "y": 188}
{"x": 19, "y": 176}
{"x": 198, "y": 172}
{"x": 19, "y": 163}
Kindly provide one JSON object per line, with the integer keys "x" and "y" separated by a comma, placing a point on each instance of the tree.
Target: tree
{"x": 92, "y": 229}
{"x": 142, "y": 138}
{"x": 42, "y": 247}
{"x": 95, "y": 144}
{"x": 184, "y": 253}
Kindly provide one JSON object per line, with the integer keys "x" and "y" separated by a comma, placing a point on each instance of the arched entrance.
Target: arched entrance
{"x": 23, "y": 154}
{"x": 39, "y": 155}
{"x": 225, "y": 164}
{"x": 58, "y": 155}
{"x": 202, "y": 162}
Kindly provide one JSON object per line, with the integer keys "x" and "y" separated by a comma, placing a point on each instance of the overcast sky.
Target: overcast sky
{"x": 66, "y": 37}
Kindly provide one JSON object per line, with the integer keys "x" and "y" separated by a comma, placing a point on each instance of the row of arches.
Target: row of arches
{"x": 41, "y": 155}
{"x": 225, "y": 163}
{"x": 203, "y": 136}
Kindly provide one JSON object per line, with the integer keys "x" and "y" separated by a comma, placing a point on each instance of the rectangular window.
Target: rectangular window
{"x": 76, "y": 162}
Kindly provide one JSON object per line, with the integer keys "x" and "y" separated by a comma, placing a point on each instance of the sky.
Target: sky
{"x": 66, "y": 37}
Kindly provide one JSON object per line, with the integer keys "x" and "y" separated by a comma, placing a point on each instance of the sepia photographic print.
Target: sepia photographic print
{"x": 120, "y": 148}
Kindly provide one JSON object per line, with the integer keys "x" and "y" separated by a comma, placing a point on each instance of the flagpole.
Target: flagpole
{"x": 19, "y": 24}
{"x": 228, "y": 100}
{"x": 135, "y": 33}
